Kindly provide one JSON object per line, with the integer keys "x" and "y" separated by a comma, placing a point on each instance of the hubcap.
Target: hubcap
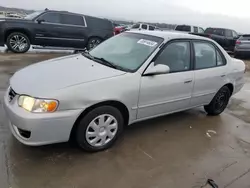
{"x": 101, "y": 130}
{"x": 220, "y": 101}
{"x": 18, "y": 43}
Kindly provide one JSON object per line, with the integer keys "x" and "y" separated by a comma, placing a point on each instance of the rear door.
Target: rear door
{"x": 73, "y": 30}
{"x": 231, "y": 39}
{"x": 210, "y": 73}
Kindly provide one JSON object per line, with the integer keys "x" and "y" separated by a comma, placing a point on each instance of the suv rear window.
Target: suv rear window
{"x": 215, "y": 31}
{"x": 183, "y": 28}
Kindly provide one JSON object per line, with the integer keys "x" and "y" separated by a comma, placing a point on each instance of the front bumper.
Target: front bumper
{"x": 44, "y": 128}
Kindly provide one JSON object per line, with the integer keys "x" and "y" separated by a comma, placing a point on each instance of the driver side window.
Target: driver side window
{"x": 50, "y": 17}
{"x": 176, "y": 55}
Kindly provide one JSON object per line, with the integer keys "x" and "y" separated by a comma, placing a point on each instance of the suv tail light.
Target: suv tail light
{"x": 238, "y": 42}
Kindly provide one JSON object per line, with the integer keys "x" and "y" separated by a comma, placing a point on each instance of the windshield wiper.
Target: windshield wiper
{"x": 106, "y": 62}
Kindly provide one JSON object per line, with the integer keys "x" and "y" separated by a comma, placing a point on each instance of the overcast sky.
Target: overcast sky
{"x": 216, "y": 13}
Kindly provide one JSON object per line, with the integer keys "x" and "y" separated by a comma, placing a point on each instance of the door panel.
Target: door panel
{"x": 166, "y": 93}
{"x": 48, "y": 34}
{"x": 163, "y": 94}
{"x": 210, "y": 72}
{"x": 207, "y": 83}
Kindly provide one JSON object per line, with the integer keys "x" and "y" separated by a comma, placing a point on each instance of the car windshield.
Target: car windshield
{"x": 32, "y": 15}
{"x": 127, "y": 50}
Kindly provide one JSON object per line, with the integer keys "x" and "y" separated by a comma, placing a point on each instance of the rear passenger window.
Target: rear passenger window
{"x": 220, "y": 61}
{"x": 70, "y": 19}
{"x": 176, "y": 55}
{"x": 151, "y": 28}
{"x": 144, "y": 26}
{"x": 207, "y": 56}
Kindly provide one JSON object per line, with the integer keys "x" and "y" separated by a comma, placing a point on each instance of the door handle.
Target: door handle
{"x": 188, "y": 81}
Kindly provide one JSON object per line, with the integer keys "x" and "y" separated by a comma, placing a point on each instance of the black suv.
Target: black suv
{"x": 54, "y": 28}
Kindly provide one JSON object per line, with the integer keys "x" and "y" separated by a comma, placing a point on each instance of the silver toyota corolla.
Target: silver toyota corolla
{"x": 133, "y": 76}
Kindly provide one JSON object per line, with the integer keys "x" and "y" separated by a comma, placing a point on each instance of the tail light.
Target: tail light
{"x": 238, "y": 42}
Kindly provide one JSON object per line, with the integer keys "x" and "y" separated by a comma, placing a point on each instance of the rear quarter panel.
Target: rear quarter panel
{"x": 98, "y": 27}
{"x": 236, "y": 74}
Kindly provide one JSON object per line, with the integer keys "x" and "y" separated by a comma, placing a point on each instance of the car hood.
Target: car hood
{"x": 45, "y": 77}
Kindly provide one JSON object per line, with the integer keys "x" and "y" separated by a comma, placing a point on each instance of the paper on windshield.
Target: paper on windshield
{"x": 147, "y": 42}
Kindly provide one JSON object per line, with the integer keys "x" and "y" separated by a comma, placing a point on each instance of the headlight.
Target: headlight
{"x": 37, "y": 105}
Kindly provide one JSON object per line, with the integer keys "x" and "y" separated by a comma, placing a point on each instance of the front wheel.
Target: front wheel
{"x": 99, "y": 129}
{"x": 18, "y": 42}
{"x": 219, "y": 102}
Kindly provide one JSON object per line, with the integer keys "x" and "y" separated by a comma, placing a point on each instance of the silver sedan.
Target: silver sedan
{"x": 131, "y": 77}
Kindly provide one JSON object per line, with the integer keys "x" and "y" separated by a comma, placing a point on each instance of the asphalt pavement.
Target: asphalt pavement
{"x": 181, "y": 150}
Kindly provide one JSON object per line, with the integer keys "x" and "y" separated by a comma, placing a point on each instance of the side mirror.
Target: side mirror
{"x": 40, "y": 21}
{"x": 157, "y": 69}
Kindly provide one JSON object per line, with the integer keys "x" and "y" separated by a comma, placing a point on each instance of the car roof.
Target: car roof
{"x": 170, "y": 35}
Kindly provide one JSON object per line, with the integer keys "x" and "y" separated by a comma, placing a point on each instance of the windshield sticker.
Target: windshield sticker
{"x": 147, "y": 42}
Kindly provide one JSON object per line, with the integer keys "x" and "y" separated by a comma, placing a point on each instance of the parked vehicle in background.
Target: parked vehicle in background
{"x": 141, "y": 26}
{"x": 225, "y": 37}
{"x": 189, "y": 29}
{"x": 130, "y": 77}
{"x": 119, "y": 29}
{"x": 242, "y": 47}
{"x": 54, "y": 29}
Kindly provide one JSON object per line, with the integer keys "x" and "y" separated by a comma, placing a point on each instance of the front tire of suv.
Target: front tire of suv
{"x": 93, "y": 42}
{"x": 219, "y": 102}
{"x": 18, "y": 42}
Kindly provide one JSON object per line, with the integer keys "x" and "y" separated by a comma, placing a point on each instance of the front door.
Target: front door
{"x": 166, "y": 93}
{"x": 47, "y": 29}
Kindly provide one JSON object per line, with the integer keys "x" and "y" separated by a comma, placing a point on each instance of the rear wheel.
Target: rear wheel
{"x": 99, "y": 129}
{"x": 219, "y": 102}
{"x": 18, "y": 42}
{"x": 93, "y": 42}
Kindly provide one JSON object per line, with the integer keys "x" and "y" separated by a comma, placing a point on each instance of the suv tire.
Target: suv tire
{"x": 18, "y": 42}
{"x": 93, "y": 42}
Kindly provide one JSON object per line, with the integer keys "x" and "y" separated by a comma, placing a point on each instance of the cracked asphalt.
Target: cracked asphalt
{"x": 179, "y": 150}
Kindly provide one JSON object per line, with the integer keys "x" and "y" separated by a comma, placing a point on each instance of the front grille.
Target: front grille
{"x": 12, "y": 94}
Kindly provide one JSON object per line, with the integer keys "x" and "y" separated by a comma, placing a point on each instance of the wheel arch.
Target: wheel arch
{"x": 230, "y": 87}
{"x": 117, "y": 104}
{"x": 19, "y": 30}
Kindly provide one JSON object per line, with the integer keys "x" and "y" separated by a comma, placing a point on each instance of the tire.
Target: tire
{"x": 18, "y": 42}
{"x": 91, "y": 134}
{"x": 93, "y": 42}
{"x": 219, "y": 102}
